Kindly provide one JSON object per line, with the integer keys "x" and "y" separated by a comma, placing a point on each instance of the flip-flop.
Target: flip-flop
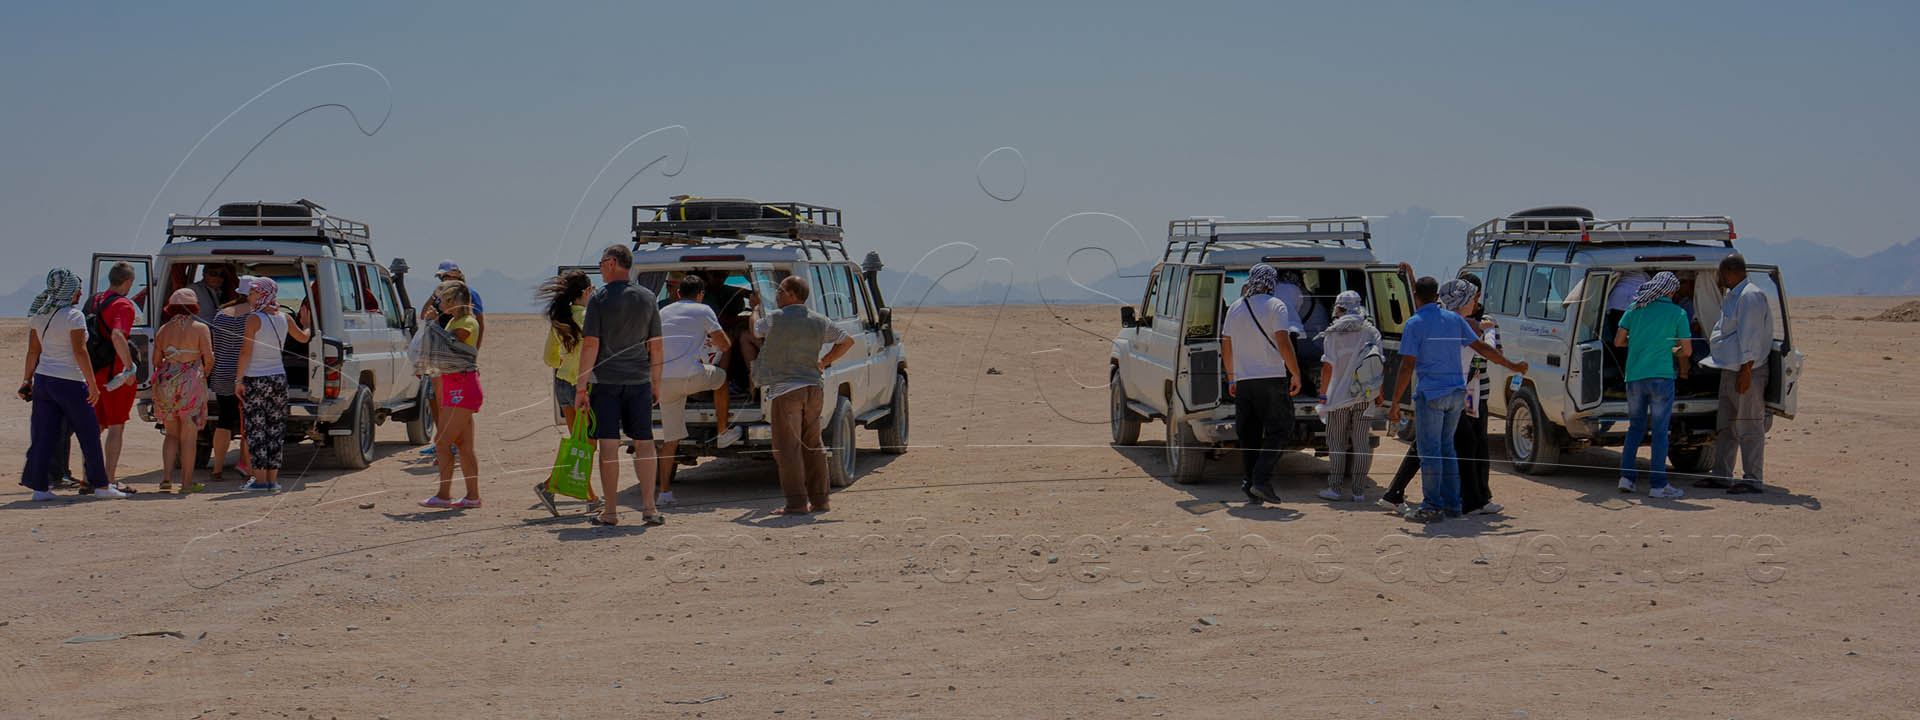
{"x": 653, "y": 519}
{"x": 166, "y": 485}
{"x": 186, "y": 489}
{"x": 595, "y": 520}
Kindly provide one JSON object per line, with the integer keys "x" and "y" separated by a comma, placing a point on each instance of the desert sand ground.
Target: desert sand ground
{"x": 1012, "y": 564}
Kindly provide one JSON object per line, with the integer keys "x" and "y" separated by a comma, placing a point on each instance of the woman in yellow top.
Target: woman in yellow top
{"x": 460, "y": 398}
{"x": 566, "y": 298}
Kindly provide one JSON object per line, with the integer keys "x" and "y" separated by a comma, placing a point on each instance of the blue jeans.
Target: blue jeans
{"x": 1434, "y": 421}
{"x": 1649, "y": 399}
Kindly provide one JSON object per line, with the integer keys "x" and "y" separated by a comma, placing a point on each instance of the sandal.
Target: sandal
{"x": 595, "y": 520}
{"x": 653, "y": 519}
{"x": 186, "y": 489}
{"x": 166, "y": 485}
{"x": 436, "y": 502}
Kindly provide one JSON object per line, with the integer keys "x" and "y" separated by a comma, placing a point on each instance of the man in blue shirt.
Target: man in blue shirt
{"x": 1431, "y": 345}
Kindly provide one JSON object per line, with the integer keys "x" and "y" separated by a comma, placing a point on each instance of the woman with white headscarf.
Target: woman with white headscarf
{"x": 261, "y": 382}
{"x": 59, "y": 382}
{"x": 1347, "y": 389}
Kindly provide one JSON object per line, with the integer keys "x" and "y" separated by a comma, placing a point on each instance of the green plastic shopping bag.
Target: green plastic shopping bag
{"x": 573, "y": 468}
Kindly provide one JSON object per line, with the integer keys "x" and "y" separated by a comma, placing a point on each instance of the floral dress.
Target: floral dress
{"x": 180, "y": 390}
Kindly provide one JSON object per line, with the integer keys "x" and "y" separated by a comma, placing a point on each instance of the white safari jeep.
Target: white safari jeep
{"x": 354, "y": 374}
{"x": 1166, "y": 358}
{"x": 1548, "y": 273}
{"x": 742, "y": 247}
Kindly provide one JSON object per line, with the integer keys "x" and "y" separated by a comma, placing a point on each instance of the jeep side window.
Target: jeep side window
{"x": 370, "y": 295}
{"x": 843, "y": 301}
{"x": 1147, "y": 306}
{"x": 1547, "y": 293}
{"x": 1506, "y": 284}
{"x": 348, "y": 286}
{"x": 1166, "y": 291}
{"x": 388, "y": 302}
{"x": 857, "y": 296}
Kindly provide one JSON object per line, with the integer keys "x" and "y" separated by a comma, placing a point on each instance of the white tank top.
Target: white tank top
{"x": 267, "y": 343}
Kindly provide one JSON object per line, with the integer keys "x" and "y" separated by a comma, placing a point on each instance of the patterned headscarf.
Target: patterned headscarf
{"x": 1349, "y": 303}
{"x": 62, "y": 284}
{"x": 264, "y": 293}
{"x": 1455, "y": 293}
{"x": 1261, "y": 279}
{"x": 1660, "y": 286}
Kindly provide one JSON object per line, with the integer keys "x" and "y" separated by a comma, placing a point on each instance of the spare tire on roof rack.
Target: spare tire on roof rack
{"x": 1551, "y": 211}
{"x": 264, "y": 214}
{"x": 696, "y": 209}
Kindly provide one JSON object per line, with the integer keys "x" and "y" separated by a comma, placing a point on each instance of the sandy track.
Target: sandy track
{"x": 1011, "y": 564}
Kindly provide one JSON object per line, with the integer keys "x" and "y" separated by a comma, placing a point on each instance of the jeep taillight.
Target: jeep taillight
{"x": 332, "y": 361}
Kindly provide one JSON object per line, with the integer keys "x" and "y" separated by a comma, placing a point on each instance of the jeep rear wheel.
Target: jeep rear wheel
{"x": 1185, "y": 456}
{"x": 1124, "y": 424}
{"x": 1533, "y": 443}
{"x": 839, "y": 441}
{"x": 354, "y": 450}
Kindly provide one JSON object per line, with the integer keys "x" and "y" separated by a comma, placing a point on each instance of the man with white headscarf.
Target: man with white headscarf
{"x": 1263, "y": 375}
{"x": 1657, "y": 338}
{"x": 1347, "y": 389}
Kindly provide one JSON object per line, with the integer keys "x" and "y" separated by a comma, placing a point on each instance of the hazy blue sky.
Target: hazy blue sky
{"x": 1795, "y": 118}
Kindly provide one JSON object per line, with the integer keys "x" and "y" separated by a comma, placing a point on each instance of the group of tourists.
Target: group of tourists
{"x": 618, "y": 352}
{"x": 216, "y": 355}
{"x": 1446, "y": 349}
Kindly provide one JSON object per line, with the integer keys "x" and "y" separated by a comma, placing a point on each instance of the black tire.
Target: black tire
{"x": 1186, "y": 459}
{"x": 893, "y": 437}
{"x": 839, "y": 441}
{"x": 1693, "y": 460}
{"x": 1533, "y": 443}
{"x": 420, "y": 428}
{"x": 1124, "y": 424}
{"x": 355, "y": 449}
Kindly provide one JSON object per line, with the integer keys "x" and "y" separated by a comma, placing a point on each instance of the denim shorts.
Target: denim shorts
{"x": 618, "y": 408}
{"x": 563, "y": 392}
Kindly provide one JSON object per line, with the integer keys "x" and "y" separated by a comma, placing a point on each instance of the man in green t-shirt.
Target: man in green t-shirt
{"x": 1655, "y": 333}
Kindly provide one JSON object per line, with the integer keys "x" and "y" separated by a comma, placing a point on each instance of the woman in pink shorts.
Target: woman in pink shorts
{"x": 460, "y": 398}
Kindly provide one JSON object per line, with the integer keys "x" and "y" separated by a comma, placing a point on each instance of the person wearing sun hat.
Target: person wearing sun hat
{"x": 449, "y": 270}
{"x": 183, "y": 358}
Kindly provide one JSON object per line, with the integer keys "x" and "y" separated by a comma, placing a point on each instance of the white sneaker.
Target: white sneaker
{"x": 42, "y": 496}
{"x": 1491, "y": 509}
{"x": 1666, "y": 493}
{"x": 666, "y": 498}
{"x": 728, "y": 438}
{"x": 109, "y": 491}
{"x": 1626, "y": 485}
{"x": 1331, "y": 494}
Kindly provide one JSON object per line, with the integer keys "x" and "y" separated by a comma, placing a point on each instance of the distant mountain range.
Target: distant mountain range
{"x": 1432, "y": 243}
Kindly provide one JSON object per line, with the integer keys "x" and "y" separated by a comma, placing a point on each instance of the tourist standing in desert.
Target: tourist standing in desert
{"x": 62, "y": 387}
{"x": 1739, "y": 346}
{"x": 1263, "y": 375}
{"x": 620, "y": 365}
{"x": 789, "y": 368}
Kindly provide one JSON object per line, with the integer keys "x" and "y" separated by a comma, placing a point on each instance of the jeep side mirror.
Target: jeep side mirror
{"x": 1126, "y": 316}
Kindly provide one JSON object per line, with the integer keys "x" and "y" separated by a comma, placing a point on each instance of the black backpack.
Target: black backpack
{"x": 99, "y": 336}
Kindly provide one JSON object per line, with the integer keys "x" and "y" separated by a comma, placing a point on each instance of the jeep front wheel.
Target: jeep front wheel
{"x": 1185, "y": 456}
{"x": 1124, "y": 424}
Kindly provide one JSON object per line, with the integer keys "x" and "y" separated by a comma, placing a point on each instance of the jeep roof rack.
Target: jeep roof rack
{"x": 804, "y": 226}
{"x": 1196, "y": 236}
{"x": 343, "y": 238}
{"x": 1577, "y": 233}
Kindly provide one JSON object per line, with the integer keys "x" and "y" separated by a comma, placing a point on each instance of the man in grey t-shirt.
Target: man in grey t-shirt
{"x": 620, "y": 362}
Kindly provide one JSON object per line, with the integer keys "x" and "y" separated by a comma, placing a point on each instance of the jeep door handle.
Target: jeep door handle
{"x": 1553, "y": 361}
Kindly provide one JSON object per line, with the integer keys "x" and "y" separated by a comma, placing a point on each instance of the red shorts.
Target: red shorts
{"x": 115, "y": 406}
{"x": 460, "y": 390}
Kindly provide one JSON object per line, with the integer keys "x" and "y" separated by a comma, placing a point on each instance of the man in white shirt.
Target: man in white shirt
{"x": 1739, "y": 346}
{"x": 1263, "y": 375}
{"x": 687, "y": 328}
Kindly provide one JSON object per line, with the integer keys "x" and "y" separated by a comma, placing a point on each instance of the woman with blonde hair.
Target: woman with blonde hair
{"x": 180, "y": 373}
{"x": 460, "y": 397}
